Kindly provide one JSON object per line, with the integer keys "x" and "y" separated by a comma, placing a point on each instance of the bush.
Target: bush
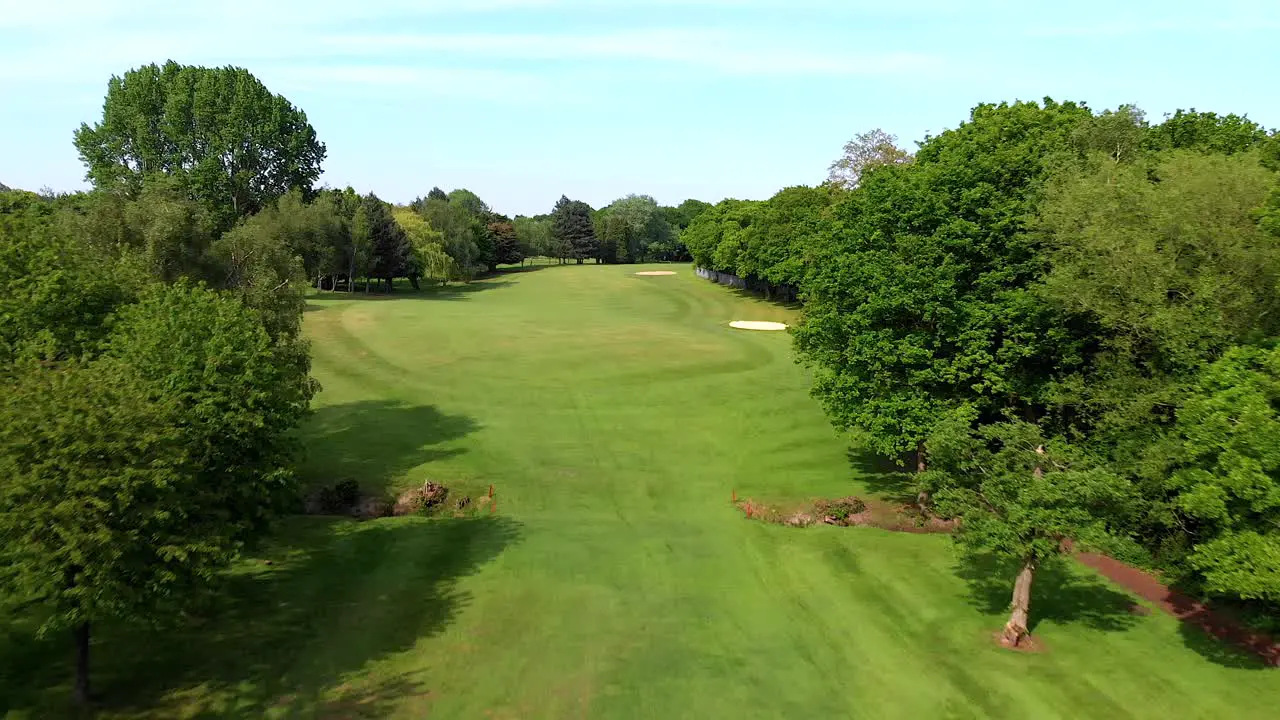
{"x": 838, "y": 512}
{"x": 340, "y": 498}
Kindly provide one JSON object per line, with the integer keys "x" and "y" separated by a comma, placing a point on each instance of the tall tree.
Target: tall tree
{"x": 505, "y": 244}
{"x": 461, "y": 232}
{"x": 646, "y": 226}
{"x": 534, "y": 234}
{"x": 786, "y": 228}
{"x": 617, "y": 239}
{"x": 232, "y": 144}
{"x": 389, "y": 248}
{"x": 920, "y": 299}
{"x": 1225, "y": 460}
{"x": 427, "y": 257}
{"x": 360, "y": 250}
{"x": 865, "y": 152}
{"x": 1020, "y": 497}
{"x": 133, "y": 478}
{"x": 470, "y": 202}
{"x": 573, "y": 227}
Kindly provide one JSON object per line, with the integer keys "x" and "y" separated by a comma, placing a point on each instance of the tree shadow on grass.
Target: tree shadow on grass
{"x": 1057, "y": 594}
{"x": 452, "y": 291}
{"x": 1221, "y": 652}
{"x": 295, "y": 638}
{"x": 375, "y": 442}
{"x": 886, "y": 477}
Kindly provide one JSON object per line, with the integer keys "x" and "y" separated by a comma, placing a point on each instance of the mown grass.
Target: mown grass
{"x": 615, "y": 416}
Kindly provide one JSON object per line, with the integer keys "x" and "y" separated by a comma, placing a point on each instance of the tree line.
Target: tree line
{"x": 1067, "y": 319}
{"x": 152, "y": 367}
{"x": 631, "y": 229}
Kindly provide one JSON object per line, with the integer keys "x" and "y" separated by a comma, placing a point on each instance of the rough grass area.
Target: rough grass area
{"x": 616, "y": 416}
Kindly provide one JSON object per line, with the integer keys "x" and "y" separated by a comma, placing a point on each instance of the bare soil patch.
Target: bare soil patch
{"x": 655, "y": 273}
{"x": 847, "y": 512}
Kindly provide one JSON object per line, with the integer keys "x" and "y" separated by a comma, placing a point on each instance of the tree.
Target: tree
{"x": 256, "y": 265}
{"x": 470, "y": 202}
{"x": 1206, "y": 132}
{"x": 919, "y": 297}
{"x": 55, "y": 293}
{"x": 93, "y": 508}
{"x": 617, "y": 238}
{"x": 461, "y": 233}
{"x": 505, "y": 243}
{"x": 785, "y": 226}
{"x": 681, "y": 216}
{"x": 1225, "y": 465}
{"x": 360, "y": 250}
{"x": 427, "y": 257}
{"x": 534, "y": 234}
{"x": 437, "y": 194}
{"x": 134, "y": 477}
{"x": 1019, "y": 498}
{"x": 1118, "y": 134}
{"x": 573, "y": 227}
{"x": 1163, "y": 266}
{"x": 389, "y": 248}
{"x": 646, "y": 223}
{"x": 865, "y": 152}
{"x": 230, "y": 143}
{"x": 716, "y": 236}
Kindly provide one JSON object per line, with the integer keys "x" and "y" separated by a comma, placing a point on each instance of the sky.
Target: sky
{"x": 522, "y": 101}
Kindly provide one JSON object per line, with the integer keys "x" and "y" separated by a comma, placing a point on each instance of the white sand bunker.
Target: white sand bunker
{"x": 652, "y": 273}
{"x": 756, "y": 325}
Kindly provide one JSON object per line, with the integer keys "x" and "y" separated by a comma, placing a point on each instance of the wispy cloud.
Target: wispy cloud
{"x": 497, "y": 86}
{"x": 712, "y": 49}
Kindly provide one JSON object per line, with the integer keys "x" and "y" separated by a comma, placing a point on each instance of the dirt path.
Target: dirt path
{"x": 1183, "y": 607}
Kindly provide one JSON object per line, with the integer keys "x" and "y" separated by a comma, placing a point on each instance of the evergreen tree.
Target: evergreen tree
{"x": 389, "y": 248}
{"x": 573, "y": 227}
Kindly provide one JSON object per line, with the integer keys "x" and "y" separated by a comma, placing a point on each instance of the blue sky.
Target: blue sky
{"x": 523, "y": 100}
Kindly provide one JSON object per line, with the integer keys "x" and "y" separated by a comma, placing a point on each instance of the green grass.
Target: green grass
{"x": 615, "y": 415}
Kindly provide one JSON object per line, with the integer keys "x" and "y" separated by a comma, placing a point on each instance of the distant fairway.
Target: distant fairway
{"x": 615, "y": 415}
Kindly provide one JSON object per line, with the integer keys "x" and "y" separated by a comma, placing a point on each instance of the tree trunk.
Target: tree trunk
{"x": 579, "y": 261}
{"x": 1015, "y": 631}
{"x": 922, "y": 498}
{"x": 80, "y": 634}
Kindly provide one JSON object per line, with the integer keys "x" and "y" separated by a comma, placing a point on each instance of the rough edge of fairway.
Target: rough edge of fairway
{"x": 655, "y": 273}
{"x": 757, "y": 325}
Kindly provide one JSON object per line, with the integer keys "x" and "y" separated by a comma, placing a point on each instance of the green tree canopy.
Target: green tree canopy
{"x": 919, "y": 299}
{"x": 1019, "y": 498}
{"x": 231, "y": 143}
{"x": 1225, "y": 475}
{"x": 572, "y": 226}
{"x": 1207, "y": 132}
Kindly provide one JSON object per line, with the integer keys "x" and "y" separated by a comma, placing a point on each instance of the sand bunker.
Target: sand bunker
{"x": 652, "y": 273}
{"x": 756, "y": 325}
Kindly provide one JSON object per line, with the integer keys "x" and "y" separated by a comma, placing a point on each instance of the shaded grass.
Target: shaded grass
{"x": 616, "y": 415}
